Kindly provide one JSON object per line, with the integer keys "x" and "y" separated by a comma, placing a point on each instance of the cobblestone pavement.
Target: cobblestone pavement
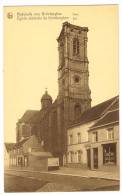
{"x": 63, "y": 183}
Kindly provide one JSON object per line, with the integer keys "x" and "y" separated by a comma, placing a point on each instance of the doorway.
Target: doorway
{"x": 88, "y": 158}
{"x": 95, "y": 158}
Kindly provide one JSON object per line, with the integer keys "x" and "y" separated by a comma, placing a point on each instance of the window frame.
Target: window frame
{"x": 79, "y": 137}
{"x": 110, "y": 133}
{"x": 70, "y": 139}
{"x": 95, "y": 136}
{"x": 79, "y": 156}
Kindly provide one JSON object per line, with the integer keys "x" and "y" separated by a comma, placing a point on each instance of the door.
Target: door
{"x": 95, "y": 158}
{"x": 20, "y": 161}
{"x": 88, "y": 158}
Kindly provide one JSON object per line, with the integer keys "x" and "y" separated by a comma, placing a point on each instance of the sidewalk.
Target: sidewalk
{"x": 88, "y": 173}
{"x": 78, "y": 172}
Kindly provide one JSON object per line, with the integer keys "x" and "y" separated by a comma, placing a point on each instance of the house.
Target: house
{"x": 7, "y": 149}
{"x": 29, "y": 154}
{"x": 103, "y": 147}
{"x": 77, "y": 134}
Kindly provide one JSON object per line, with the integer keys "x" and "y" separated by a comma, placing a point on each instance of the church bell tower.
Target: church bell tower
{"x": 73, "y": 74}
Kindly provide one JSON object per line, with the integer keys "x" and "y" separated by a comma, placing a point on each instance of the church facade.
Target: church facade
{"x": 74, "y": 96}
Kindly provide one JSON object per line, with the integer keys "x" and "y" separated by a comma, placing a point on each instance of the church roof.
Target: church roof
{"x": 109, "y": 118}
{"x": 27, "y": 116}
{"x": 95, "y": 112}
{"x": 33, "y": 116}
{"x": 37, "y": 117}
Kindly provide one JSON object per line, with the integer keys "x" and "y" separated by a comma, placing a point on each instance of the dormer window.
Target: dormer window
{"x": 75, "y": 46}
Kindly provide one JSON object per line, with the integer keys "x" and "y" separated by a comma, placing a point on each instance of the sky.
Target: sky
{"x": 31, "y": 56}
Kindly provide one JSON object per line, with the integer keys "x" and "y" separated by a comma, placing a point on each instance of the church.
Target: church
{"x": 49, "y": 127}
{"x": 51, "y": 122}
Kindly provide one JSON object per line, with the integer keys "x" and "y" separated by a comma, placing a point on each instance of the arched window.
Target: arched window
{"x": 77, "y": 111}
{"x": 75, "y": 46}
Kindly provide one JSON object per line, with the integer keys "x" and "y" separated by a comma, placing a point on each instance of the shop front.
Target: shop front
{"x": 109, "y": 153}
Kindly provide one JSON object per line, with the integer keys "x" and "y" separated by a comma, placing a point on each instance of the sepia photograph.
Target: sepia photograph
{"x": 61, "y": 98}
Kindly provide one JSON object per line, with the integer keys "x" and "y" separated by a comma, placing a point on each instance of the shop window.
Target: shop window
{"x": 109, "y": 153}
{"x": 95, "y": 136}
{"x": 110, "y": 134}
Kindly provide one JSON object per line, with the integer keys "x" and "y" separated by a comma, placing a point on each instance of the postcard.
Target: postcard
{"x": 61, "y": 98}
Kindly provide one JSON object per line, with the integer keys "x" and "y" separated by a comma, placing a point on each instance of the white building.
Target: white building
{"x": 103, "y": 147}
{"x": 7, "y": 148}
{"x": 77, "y": 134}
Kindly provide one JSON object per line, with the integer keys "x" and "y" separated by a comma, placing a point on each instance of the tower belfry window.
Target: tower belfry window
{"x": 75, "y": 46}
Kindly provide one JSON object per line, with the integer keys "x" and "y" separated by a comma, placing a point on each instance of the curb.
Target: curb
{"x": 65, "y": 174}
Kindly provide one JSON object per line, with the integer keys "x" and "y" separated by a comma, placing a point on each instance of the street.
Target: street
{"x": 21, "y": 184}
{"x": 28, "y": 182}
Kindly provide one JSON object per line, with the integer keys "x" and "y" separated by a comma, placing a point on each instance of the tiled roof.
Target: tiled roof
{"x": 37, "y": 117}
{"x": 19, "y": 144}
{"x": 110, "y": 117}
{"x": 9, "y": 146}
{"x": 115, "y": 105}
{"x": 94, "y": 112}
{"x": 27, "y": 116}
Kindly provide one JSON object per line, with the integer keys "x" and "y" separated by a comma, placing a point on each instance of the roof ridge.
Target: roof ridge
{"x": 104, "y": 102}
{"x": 95, "y": 112}
{"x": 112, "y": 103}
{"x": 95, "y": 125}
